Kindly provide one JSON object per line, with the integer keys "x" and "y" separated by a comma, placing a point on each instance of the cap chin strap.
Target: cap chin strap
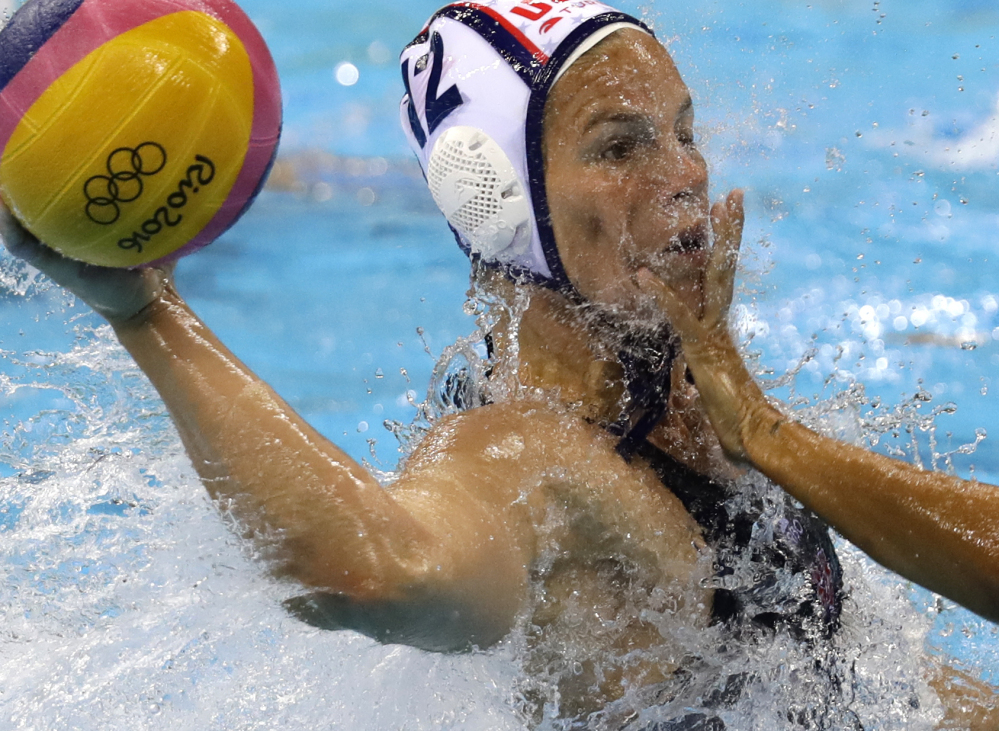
{"x": 647, "y": 360}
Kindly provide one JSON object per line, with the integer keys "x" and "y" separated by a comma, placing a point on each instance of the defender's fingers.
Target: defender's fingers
{"x": 727, "y": 220}
{"x": 685, "y": 323}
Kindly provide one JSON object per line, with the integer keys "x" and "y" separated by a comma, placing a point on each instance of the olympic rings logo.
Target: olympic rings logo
{"x": 126, "y": 167}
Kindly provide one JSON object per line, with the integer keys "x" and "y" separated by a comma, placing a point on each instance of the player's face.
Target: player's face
{"x": 626, "y": 185}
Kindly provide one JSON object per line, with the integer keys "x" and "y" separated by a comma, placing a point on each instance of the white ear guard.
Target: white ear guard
{"x": 476, "y": 79}
{"x": 475, "y": 185}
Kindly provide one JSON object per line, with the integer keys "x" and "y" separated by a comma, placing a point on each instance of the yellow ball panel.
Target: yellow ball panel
{"x": 128, "y": 155}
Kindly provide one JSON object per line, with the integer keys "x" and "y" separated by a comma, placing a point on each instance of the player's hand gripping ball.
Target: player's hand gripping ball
{"x": 134, "y": 131}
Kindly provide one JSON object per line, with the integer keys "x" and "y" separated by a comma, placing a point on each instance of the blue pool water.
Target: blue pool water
{"x": 867, "y": 136}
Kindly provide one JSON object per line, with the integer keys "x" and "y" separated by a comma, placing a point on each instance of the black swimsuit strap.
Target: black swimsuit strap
{"x": 702, "y": 496}
{"x": 648, "y": 379}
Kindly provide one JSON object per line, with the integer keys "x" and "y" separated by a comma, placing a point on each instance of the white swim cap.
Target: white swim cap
{"x": 477, "y": 78}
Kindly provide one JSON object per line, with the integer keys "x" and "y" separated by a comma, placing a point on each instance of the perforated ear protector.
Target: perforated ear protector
{"x": 476, "y": 79}
{"x": 475, "y": 185}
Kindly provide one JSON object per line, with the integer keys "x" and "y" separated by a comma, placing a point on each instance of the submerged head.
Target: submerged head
{"x": 557, "y": 139}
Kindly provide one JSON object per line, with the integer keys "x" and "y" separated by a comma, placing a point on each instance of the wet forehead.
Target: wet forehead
{"x": 630, "y": 72}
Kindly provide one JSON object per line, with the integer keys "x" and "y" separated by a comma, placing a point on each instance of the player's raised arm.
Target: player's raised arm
{"x": 334, "y": 528}
{"x": 146, "y": 156}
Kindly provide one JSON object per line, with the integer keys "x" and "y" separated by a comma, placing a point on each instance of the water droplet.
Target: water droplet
{"x": 970, "y": 345}
{"x": 834, "y": 159}
{"x": 362, "y": 427}
{"x": 379, "y": 373}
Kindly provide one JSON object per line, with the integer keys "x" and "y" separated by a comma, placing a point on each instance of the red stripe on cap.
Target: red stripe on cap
{"x": 513, "y": 30}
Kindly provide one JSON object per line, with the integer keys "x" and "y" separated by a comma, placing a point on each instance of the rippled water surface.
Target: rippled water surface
{"x": 867, "y": 135}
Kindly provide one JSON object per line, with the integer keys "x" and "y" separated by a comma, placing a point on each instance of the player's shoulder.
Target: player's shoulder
{"x": 542, "y": 422}
{"x": 512, "y": 442}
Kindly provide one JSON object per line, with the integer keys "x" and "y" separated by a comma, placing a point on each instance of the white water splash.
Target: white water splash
{"x": 126, "y": 603}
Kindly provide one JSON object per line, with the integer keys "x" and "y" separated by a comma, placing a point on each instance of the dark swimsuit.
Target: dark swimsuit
{"x": 762, "y": 546}
{"x": 766, "y": 542}
{"x": 776, "y": 540}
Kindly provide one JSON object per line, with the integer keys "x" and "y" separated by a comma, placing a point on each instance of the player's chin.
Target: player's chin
{"x": 636, "y": 313}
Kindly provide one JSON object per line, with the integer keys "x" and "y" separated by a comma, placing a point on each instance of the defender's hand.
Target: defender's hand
{"x": 729, "y": 394}
{"x": 116, "y": 294}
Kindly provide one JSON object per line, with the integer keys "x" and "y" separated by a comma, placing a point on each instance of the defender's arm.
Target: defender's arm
{"x": 937, "y": 530}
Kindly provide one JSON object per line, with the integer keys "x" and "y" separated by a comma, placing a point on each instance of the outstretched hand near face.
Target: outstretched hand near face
{"x": 116, "y": 294}
{"x": 728, "y": 392}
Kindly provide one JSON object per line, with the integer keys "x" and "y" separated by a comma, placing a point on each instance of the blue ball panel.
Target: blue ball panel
{"x": 30, "y": 29}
